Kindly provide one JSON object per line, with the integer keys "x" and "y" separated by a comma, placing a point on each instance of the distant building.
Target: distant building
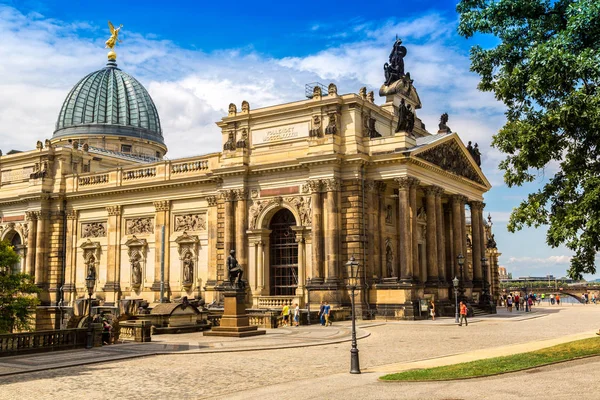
{"x": 502, "y": 274}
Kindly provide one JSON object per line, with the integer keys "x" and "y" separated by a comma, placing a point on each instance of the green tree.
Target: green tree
{"x": 16, "y": 290}
{"x": 546, "y": 69}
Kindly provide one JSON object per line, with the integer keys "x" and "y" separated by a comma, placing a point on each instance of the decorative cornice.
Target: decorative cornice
{"x": 162, "y": 205}
{"x": 113, "y": 210}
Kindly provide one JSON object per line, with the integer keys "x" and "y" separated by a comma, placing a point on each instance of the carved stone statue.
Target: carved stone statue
{"x": 371, "y": 128}
{"x": 410, "y": 120}
{"x": 230, "y": 144}
{"x": 469, "y": 243}
{"x": 316, "y": 127}
{"x": 402, "y": 117}
{"x": 394, "y": 70}
{"x": 232, "y": 109}
{"x": 243, "y": 142}
{"x": 332, "y": 125}
{"x": 136, "y": 269}
{"x": 388, "y": 214}
{"x": 235, "y": 271}
{"x": 444, "y": 123}
{"x": 91, "y": 266}
{"x": 188, "y": 268}
{"x": 371, "y": 97}
{"x": 317, "y": 93}
{"x": 245, "y": 106}
{"x": 491, "y": 242}
{"x": 362, "y": 92}
{"x": 39, "y": 145}
{"x": 389, "y": 261}
{"x": 332, "y": 90}
{"x": 477, "y": 155}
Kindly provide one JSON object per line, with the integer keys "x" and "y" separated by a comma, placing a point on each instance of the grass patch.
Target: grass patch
{"x": 500, "y": 365}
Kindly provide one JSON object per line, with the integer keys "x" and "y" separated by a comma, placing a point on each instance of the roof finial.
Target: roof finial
{"x": 112, "y": 41}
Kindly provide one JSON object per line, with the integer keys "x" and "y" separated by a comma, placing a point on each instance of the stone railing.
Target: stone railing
{"x": 190, "y": 166}
{"x": 139, "y": 173}
{"x": 41, "y": 341}
{"x": 275, "y": 301}
{"x": 137, "y": 331}
{"x": 92, "y": 180}
{"x": 163, "y": 171}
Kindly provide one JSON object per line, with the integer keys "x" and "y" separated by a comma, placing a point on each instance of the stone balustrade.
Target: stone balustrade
{"x": 139, "y": 173}
{"x": 42, "y": 341}
{"x": 275, "y": 301}
{"x": 191, "y": 166}
{"x": 92, "y": 180}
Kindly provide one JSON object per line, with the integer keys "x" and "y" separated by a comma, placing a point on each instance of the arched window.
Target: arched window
{"x": 284, "y": 254}
{"x": 16, "y": 243}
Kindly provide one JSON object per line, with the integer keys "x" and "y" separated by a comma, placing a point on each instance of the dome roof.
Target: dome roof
{"x": 109, "y": 102}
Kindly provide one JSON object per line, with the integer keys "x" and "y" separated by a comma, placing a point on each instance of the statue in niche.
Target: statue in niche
{"x": 235, "y": 271}
{"x": 388, "y": 214}
{"x": 230, "y": 144}
{"x": 188, "y": 268}
{"x": 394, "y": 70}
{"x": 136, "y": 269}
{"x": 389, "y": 261}
{"x": 444, "y": 123}
{"x": 91, "y": 266}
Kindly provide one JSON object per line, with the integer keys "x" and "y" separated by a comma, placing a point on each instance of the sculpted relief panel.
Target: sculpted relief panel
{"x": 93, "y": 230}
{"x": 302, "y": 204}
{"x": 450, "y": 157}
{"x": 135, "y": 226}
{"x": 190, "y": 222}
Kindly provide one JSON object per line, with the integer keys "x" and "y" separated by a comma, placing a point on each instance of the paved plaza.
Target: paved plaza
{"x": 313, "y": 362}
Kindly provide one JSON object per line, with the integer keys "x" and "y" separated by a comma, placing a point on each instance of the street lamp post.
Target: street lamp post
{"x": 90, "y": 282}
{"x": 486, "y": 294}
{"x": 455, "y": 283}
{"x": 308, "y": 300}
{"x": 353, "y": 267}
{"x": 461, "y": 262}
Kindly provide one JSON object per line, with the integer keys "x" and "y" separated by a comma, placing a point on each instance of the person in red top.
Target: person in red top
{"x": 463, "y": 314}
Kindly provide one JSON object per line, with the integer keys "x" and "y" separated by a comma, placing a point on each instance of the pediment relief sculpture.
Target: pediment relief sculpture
{"x": 450, "y": 157}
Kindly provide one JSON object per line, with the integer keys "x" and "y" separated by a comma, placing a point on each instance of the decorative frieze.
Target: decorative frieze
{"x": 93, "y": 230}
{"x": 303, "y": 205}
{"x": 189, "y": 222}
{"x": 134, "y": 226}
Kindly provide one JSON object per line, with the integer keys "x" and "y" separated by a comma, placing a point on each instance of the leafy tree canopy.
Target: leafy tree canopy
{"x": 16, "y": 302}
{"x": 546, "y": 70}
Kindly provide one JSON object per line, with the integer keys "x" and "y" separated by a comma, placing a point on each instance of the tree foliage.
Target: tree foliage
{"x": 546, "y": 69}
{"x": 16, "y": 290}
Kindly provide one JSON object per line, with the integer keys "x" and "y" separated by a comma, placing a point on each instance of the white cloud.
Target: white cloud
{"x": 534, "y": 262}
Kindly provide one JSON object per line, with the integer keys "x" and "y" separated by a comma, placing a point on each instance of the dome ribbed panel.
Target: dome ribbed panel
{"x": 110, "y": 97}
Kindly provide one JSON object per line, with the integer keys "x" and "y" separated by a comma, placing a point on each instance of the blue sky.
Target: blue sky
{"x": 196, "y": 57}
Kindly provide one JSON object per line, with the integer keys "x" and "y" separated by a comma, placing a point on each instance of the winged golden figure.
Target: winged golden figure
{"x": 114, "y": 36}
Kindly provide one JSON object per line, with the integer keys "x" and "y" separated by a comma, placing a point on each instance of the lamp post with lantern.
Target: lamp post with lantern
{"x": 353, "y": 276}
{"x": 90, "y": 282}
{"x": 455, "y": 284}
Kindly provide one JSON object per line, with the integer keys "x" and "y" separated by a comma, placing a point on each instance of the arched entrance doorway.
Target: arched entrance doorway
{"x": 283, "y": 269}
{"x": 16, "y": 242}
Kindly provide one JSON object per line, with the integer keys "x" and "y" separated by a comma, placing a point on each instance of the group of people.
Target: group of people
{"x": 325, "y": 314}
{"x": 525, "y": 303}
{"x": 286, "y": 313}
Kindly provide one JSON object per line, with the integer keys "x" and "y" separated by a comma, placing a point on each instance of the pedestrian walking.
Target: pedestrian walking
{"x": 285, "y": 313}
{"x": 297, "y": 315}
{"x": 558, "y": 300}
{"x": 509, "y": 302}
{"x": 322, "y": 313}
{"x": 106, "y": 328}
{"x": 517, "y": 301}
{"x": 432, "y": 310}
{"x": 327, "y": 313}
{"x": 463, "y": 314}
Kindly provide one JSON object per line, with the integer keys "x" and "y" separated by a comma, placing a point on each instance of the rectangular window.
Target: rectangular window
{"x": 125, "y": 148}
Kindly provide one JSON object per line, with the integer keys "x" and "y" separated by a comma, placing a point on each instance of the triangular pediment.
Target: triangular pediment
{"x": 452, "y": 156}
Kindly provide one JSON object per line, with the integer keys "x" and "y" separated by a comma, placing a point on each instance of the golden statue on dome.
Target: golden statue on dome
{"x": 112, "y": 40}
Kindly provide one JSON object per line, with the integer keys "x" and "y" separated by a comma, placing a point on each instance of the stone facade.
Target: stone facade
{"x": 395, "y": 201}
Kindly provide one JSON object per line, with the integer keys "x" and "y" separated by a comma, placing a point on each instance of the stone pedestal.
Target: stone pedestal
{"x": 234, "y": 322}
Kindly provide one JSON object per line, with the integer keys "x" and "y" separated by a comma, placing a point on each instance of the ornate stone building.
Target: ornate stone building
{"x": 298, "y": 189}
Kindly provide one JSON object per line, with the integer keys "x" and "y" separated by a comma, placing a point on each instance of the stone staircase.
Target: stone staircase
{"x": 479, "y": 311}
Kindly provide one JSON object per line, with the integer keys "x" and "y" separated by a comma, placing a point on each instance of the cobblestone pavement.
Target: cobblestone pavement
{"x": 321, "y": 371}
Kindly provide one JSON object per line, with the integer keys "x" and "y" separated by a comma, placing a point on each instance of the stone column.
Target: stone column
{"x": 212, "y": 226}
{"x": 40, "y": 247}
{"x": 379, "y": 202}
{"x": 414, "y": 266}
{"x": 332, "y": 235}
{"x": 315, "y": 187}
{"x": 260, "y": 271}
{"x": 113, "y": 254}
{"x": 432, "y": 260}
{"x": 463, "y": 227}
{"x": 299, "y": 230}
{"x": 70, "y": 257}
{"x": 31, "y": 242}
{"x": 476, "y": 225}
{"x": 450, "y": 257}
{"x": 404, "y": 229}
{"x": 457, "y": 232}
{"x": 241, "y": 225}
{"x": 161, "y": 217}
{"x": 482, "y": 232}
{"x": 441, "y": 259}
{"x": 371, "y": 224}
